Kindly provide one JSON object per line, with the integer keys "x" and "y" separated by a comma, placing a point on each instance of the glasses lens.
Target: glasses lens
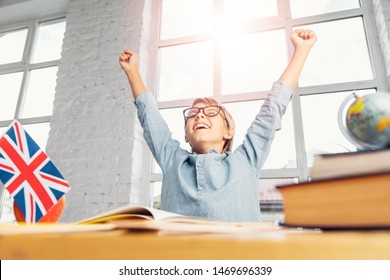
{"x": 211, "y": 111}
{"x": 191, "y": 112}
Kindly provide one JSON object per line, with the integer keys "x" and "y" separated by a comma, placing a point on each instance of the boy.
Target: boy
{"x": 213, "y": 182}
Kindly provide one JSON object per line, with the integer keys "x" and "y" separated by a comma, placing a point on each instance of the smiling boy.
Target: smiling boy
{"x": 212, "y": 181}
{"x": 204, "y": 130}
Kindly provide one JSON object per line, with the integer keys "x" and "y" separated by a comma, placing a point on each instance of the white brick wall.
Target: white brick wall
{"x": 382, "y": 18}
{"x": 95, "y": 138}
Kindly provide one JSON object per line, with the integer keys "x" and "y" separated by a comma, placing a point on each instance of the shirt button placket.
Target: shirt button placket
{"x": 200, "y": 174}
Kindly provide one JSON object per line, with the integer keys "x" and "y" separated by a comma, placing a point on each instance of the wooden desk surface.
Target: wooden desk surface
{"x": 121, "y": 244}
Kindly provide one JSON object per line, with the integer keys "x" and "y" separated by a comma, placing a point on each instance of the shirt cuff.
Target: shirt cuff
{"x": 282, "y": 91}
{"x": 144, "y": 100}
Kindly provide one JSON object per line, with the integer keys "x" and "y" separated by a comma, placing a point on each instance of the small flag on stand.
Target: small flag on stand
{"x": 28, "y": 174}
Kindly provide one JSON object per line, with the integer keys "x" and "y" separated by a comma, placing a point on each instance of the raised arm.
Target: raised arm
{"x": 129, "y": 63}
{"x": 302, "y": 40}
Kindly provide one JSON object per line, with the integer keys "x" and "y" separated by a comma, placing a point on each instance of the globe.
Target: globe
{"x": 366, "y": 121}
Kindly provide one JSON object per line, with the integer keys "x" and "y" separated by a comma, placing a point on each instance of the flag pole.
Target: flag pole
{"x": 2, "y": 198}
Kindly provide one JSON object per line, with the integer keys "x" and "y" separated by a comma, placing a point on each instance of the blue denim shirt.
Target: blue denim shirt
{"x": 213, "y": 185}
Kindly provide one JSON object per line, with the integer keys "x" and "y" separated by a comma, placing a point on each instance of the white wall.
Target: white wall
{"x": 95, "y": 138}
{"x": 382, "y": 15}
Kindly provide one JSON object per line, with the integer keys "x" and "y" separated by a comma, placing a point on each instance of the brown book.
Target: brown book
{"x": 350, "y": 202}
{"x": 347, "y": 164}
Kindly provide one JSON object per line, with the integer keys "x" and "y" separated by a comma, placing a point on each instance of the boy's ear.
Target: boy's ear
{"x": 228, "y": 134}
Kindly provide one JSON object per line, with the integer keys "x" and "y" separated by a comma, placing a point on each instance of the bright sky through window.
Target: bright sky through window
{"x": 216, "y": 49}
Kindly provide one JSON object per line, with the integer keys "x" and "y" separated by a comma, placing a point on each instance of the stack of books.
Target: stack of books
{"x": 346, "y": 191}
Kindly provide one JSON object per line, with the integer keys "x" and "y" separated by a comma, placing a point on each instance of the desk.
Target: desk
{"x": 121, "y": 244}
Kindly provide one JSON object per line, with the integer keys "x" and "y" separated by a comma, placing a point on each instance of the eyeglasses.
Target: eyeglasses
{"x": 209, "y": 111}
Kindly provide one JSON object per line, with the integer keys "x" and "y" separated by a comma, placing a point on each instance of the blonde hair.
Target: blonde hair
{"x": 227, "y": 147}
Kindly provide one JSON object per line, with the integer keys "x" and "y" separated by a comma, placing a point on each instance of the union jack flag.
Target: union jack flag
{"x": 28, "y": 174}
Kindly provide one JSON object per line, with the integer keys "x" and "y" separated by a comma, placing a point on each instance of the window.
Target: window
{"x": 233, "y": 50}
{"x": 28, "y": 74}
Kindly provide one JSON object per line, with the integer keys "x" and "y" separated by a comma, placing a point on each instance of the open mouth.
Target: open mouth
{"x": 201, "y": 126}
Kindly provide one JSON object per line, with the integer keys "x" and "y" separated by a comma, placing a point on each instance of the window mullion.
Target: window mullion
{"x": 45, "y": 64}
{"x": 300, "y": 150}
{"x": 339, "y": 15}
{"x": 27, "y": 58}
{"x": 217, "y": 62}
{"x": 12, "y": 68}
{"x": 337, "y": 87}
{"x": 30, "y": 43}
{"x": 22, "y": 93}
{"x": 30, "y": 28}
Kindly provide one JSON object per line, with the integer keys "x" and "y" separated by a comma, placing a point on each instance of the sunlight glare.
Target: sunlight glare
{"x": 244, "y": 10}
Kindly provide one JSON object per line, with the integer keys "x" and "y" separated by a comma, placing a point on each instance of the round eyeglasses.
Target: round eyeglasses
{"x": 209, "y": 111}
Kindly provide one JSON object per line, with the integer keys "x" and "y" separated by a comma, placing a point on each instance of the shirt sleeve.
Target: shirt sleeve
{"x": 259, "y": 137}
{"x": 156, "y": 131}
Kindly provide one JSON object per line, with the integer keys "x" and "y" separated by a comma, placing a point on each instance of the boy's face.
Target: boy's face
{"x": 205, "y": 133}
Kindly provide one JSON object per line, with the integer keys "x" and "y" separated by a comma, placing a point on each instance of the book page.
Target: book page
{"x": 129, "y": 212}
{"x": 159, "y": 215}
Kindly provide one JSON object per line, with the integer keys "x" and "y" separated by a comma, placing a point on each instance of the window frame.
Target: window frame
{"x": 26, "y": 65}
{"x": 284, "y": 21}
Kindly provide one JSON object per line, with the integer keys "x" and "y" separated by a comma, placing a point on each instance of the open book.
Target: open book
{"x": 135, "y": 217}
{"x": 141, "y": 218}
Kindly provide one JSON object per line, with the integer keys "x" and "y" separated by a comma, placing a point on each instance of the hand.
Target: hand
{"x": 128, "y": 60}
{"x": 303, "y": 38}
